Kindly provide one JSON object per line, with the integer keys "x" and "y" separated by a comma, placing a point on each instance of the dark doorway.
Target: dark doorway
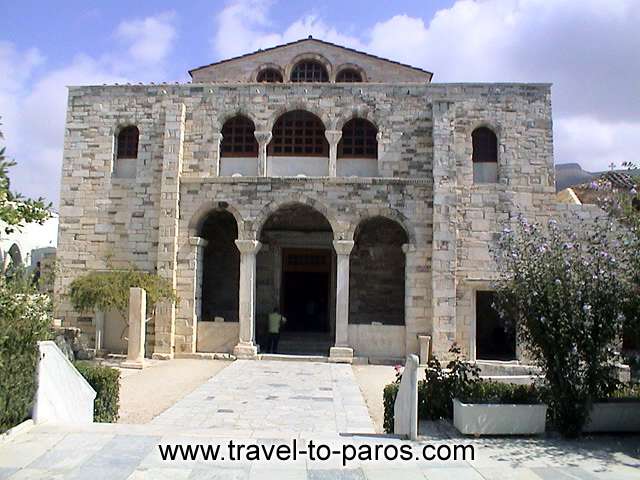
{"x": 495, "y": 336}
{"x": 305, "y": 290}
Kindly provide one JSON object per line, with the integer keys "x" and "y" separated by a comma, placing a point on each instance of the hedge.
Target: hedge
{"x": 24, "y": 320}
{"x": 488, "y": 391}
{"x": 106, "y": 382}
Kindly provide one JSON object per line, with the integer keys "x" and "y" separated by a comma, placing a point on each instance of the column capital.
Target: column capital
{"x": 333, "y": 136}
{"x": 343, "y": 247}
{"x": 408, "y": 248}
{"x": 248, "y": 246}
{"x": 217, "y": 136}
{"x": 198, "y": 241}
{"x": 263, "y": 136}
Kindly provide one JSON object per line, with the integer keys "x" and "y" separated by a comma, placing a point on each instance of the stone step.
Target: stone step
{"x": 293, "y": 358}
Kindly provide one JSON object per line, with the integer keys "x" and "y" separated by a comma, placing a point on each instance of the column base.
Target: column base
{"x": 135, "y": 364}
{"x": 245, "y": 351}
{"x": 341, "y": 355}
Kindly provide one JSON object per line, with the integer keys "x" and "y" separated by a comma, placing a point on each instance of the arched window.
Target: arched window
{"x": 127, "y": 145}
{"x": 238, "y": 139}
{"x": 348, "y": 75}
{"x": 358, "y": 140}
{"x": 270, "y": 75}
{"x": 298, "y": 133}
{"x": 309, "y": 71}
{"x": 485, "y": 155}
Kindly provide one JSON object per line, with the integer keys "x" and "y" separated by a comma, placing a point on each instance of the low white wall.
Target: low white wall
{"x": 357, "y": 167}
{"x": 245, "y": 166}
{"x": 217, "y": 337}
{"x": 498, "y": 419}
{"x": 405, "y": 408}
{"x": 292, "y": 166}
{"x": 377, "y": 340}
{"x": 63, "y": 395}
{"x": 614, "y": 417}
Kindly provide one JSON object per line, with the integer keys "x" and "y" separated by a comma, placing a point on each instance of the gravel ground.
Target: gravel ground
{"x": 372, "y": 379}
{"x": 146, "y": 393}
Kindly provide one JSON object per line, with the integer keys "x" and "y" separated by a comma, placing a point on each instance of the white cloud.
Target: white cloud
{"x": 244, "y": 26}
{"x": 33, "y": 105}
{"x": 588, "y": 49}
{"x": 150, "y": 39}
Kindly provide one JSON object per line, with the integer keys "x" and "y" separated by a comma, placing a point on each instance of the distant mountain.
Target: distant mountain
{"x": 570, "y": 174}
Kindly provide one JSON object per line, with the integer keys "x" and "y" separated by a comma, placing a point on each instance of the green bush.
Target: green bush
{"x": 24, "y": 320}
{"x": 106, "y": 382}
{"x": 437, "y": 391}
{"x": 487, "y": 391}
{"x": 389, "y": 398}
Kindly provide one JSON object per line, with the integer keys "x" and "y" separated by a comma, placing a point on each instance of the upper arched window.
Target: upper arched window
{"x": 128, "y": 142}
{"x": 485, "y": 155}
{"x": 299, "y": 133}
{"x": 269, "y": 75}
{"x": 238, "y": 139}
{"x": 348, "y": 75}
{"x": 309, "y": 71}
{"x": 358, "y": 140}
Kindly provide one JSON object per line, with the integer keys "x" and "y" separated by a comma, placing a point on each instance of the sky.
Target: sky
{"x": 588, "y": 49}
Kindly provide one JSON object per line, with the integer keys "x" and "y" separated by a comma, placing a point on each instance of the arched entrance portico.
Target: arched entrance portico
{"x": 296, "y": 275}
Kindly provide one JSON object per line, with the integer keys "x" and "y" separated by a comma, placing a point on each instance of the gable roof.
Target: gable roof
{"x": 310, "y": 38}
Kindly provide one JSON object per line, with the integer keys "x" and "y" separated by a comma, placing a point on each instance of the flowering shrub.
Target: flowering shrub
{"x": 565, "y": 289}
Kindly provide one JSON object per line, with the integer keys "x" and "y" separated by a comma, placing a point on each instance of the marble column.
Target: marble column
{"x": 246, "y": 347}
{"x": 263, "y": 137}
{"x": 137, "y": 324}
{"x": 342, "y": 352}
{"x": 99, "y": 320}
{"x": 333, "y": 137}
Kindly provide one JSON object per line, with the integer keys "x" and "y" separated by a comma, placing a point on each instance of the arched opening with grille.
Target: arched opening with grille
{"x": 239, "y": 147}
{"x": 358, "y": 149}
{"x": 298, "y": 146}
{"x": 348, "y": 75}
{"x": 309, "y": 71}
{"x": 269, "y": 75}
{"x": 126, "y": 154}
{"x": 485, "y": 155}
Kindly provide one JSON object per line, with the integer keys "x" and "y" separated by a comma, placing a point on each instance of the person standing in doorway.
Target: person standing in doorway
{"x": 275, "y": 323}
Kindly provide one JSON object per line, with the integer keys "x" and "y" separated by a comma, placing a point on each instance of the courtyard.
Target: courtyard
{"x": 274, "y": 402}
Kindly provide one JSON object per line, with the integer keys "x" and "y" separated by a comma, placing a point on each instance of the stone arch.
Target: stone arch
{"x": 201, "y": 214}
{"x": 298, "y": 105}
{"x": 265, "y": 66}
{"x": 258, "y": 222}
{"x": 358, "y": 112}
{"x": 389, "y": 214}
{"x": 228, "y": 114}
{"x": 348, "y": 66}
{"x": 308, "y": 56}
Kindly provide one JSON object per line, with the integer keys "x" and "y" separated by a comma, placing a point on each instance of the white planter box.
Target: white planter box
{"x": 499, "y": 419}
{"x": 614, "y": 417}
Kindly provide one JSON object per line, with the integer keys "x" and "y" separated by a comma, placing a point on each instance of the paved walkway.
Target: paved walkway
{"x": 262, "y": 396}
{"x": 272, "y": 403}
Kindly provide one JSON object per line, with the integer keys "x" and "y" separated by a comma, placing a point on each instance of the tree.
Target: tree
{"x": 564, "y": 286}
{"x": 15, "y": 210}
{"x": 109, "y": 291}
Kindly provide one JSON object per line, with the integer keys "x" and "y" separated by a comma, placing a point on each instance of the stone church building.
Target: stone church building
{"x": 344, "y": 189}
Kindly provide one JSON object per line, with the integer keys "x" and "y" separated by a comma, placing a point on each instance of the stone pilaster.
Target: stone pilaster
{"x": 136, "y": 335}
{"x": 333, "y": 137}
{"x": 444, "y": 259}
{"x": 342, "y": 352}
{"x": 263, "y": 137}
{"x": 168, "y": 220}
{"x": 216, "y": 140}
{"x": 246, "y": 347}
